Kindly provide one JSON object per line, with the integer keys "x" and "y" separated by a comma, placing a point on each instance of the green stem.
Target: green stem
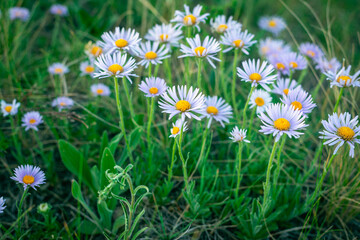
{"x": 277, "y": 172}
{"x": 150, "y": 69}
{"x": 172, "y": 161}
{"x": 168, "y": 69}
{"x": 315, "y": 92}
{"x": 233, "y": 86}
{"x": 186, "y": 61}
{"x": 16, "y": 143}
{"x": 220, "y": 75}
{"x": 338, "y": 100}
{"x": 238, "y": 170}
{"x": 179, "y": 140}
{"x": 199, "y": 62}
{"x": 151, "y": 115}
{"x": 246, "y": 105}
{"x": 268, "y": 173}
{"x": 129, "y": 98}
{"x": 20, "y": 209}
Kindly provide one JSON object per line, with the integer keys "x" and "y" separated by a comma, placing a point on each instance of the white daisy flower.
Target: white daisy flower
{"x": 279, "y": 119}
{"x": 272, "y": 24}
{"x": 176, "y": 129}
{"x": 58, "y": 9}
{"x": 9, "y": 109}
{"x": 189, "y": 18}
{"x": 216, "y": 108}
{"x": 62, "y": 103}
{"x": 31, "y": 120}
{"x": 58, "y": 69}
{"x": 87, "y": 68}
{"x": 124, "y": 39}
{"x": 325, "y": 65}
{"x": 100, "y": 89}
{"x": 165, "y": 33}
{"x": 238, "y": 39}
{"x": 19, "y": 13}
{"x": 93, "y": 50}
{"x": 311, "y": 50}
{"x": 206, "y": 49}
{"x": 151, "y": 53}
{"x": 256, "y": 73}
{"x": 221, "y": 25}
{"x": 2, "y": 204}
{"x": 293, "y": 61}
{"x": 178, "y": 100}
{"x": 238, "y": 135}
{"x": 279, "y": 63}
{"x": 300, "y": 100}
{"x": 284, "y": 85}
{"x": 342, "y": 78}
{"x": 260, "y": 99}
{"x": 153, "y": 86}
{"x": 270, "y": 47}
{"x": 341, "y": 129}
{"x": 115, "y": 65}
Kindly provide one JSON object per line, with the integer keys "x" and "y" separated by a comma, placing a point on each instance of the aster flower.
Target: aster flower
{"x": 100, "y": 89}
{"x": 2, "y": 204}
{"x": 284, "y": 85}
{"x": 29, "y": 175}
{"x": 256, "y": 73}
{"x": 58, "y": 9}
{"x": 19, "y": 13}
{"x": 342, "y": 78}
{"x": 93, "y": 50}
{"x": 115, "y": 65}
{"x": 238, "y": 135}
{"x": 293, "y": 61}
{"x": 206, "y": 49}
{"x": 165, "y": 33}
{"x": 237, "y": 39}
{"x": 341, "y": 129}
{"x": 124, "y": 39}
{"x": 325, "y": 65}
{"x": 9, "y": 109}
{"x": 279, "y": 119}
{"x": 272, "y": 47}
{"x": 260, "y": 99}
{"x": 300, "y": 100}
{"x": 216, "y": 108}
{"x": 280, "y": 63}
{"x": 273, "y": 24}
{"x": 31, "y": 120}
{"x": 87, "y": 68}
{"x": 62, "y": 103}
{"x": 176, "y": 129}
{"x": 153, "y": 86}
{"x": 58, "y": 69}
{"x": 189, "y": 18}
{"x": 178, "y": 100}
{"x": 221, "y": 25}
{"x": 151, "y": 53}
{"x": 311, "y": 50}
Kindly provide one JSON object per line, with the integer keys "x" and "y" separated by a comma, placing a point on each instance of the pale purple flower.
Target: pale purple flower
{"x": 58, "y": 9}
{"x": 31, "y": 120}
{"x": 29, "y": 175}
{"x": 62, "y": 103}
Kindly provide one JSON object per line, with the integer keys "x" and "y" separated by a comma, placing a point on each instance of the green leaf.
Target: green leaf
{"x": 119, "y": 222}
{"x": 88, "y": 227}
{"x": 107, "y": 162}
{"x": 104, "y": 143}
{"x": 115, "y": 142}
{"x": 105, "y": 215}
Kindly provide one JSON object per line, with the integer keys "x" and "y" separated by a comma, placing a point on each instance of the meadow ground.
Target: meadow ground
{"x": 107, "y": 166}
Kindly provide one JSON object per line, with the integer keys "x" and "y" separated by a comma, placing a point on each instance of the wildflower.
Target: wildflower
{"x": 176, "y": 129}
{"x": 216, "y": 108}
{"x": 151, "y": 53}
{"x": 341, "y": 129}
{"x": 62, "y": 103}
{"x": 206, "y": 49}
{"x": 256, "y": 74}
{"x": 284, "y": 85}
{"x": 342, "y": 78}
{"x": 153, "y": 86}
{"x": 260, "y": 99}
{"x": 87, "y": 68}
{"x": 279, "y": 63}
{"x": 100, "y": 90}
{"x": 31, "y": 120}
{"x": 9, "y": 109}
{"x": 189, "y": 18}
{"x": 311, "y": 50}
{"x": 238, "y": 39}
{"x": 44, "y": 208}
{"x": 93, "y": 50}
{"x": 221, "y": 25}
{"x": 58, "y": 69}
{"x": 279, "y": 119}
{"x": 273, "y": 24}
{"x": 165, "y": 33}
{"x": 19, "y": 13}
{"x": 300, "y": 100}
{"x": 178, "y": 100}
{"x": 115, "y": 65}
{"x": 124, "y": 39}
{"x": 238, "y": 135}
{"x": 58, "y": 9}
{"x": 293, "y": 61}
{"x": 272, "y": 47}
{"x": 325, "y": 65}
{"x": 29, "y": 175}
{"x": 2, "y": 204}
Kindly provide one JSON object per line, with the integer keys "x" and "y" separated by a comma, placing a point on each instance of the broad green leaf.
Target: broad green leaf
{"x": 105, "y": 215}
{"x": 107, "y": 162}
{"x": 115, "y": 142}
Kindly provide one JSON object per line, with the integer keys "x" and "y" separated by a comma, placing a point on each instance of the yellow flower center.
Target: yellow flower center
{"x": 282, "y": 124}
{"x": 27, "y": 179}
{"x": 89, "y": 69}
{"x": 96, "y": 51}
{"x": 297, "y": 105}
{"x": 116, "y": 68}
{"x": 175, "y": 130}
{"x": 121, "y": 43}
{"x": 183, "y": 105}
{"x": 153, "y": 90}
{"x": 345, "y": 133}
{"x": 199, "y": 50}
{"x": 280, "y": 66}
{"x": 32, "y": 121}
{"x": 222, "y": 28}
{"x": 310, "y": 53}
{"x": 272, "y": 23}
{"x": 62, "y": 104}
{"x": 255, "y": 77}
{"x": 100, "y": 91}
{"x": 212, "y": 110}
{"x": 189, "y": 20}
{"x": 59, "y": 11}
{"x": 344, "y": 79}
{"x": 265, "y": 50}
{"x": 238, "y": 43}
{"x": 58, "y": 70}
{"x": 286, "y": 91}
{"x": 8, "y": 108}
{"x": 293, "y": 64}
{"x": 150, "y": 55}
{"x": 164, "y": 37}
{"x": 259, "y": 101}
